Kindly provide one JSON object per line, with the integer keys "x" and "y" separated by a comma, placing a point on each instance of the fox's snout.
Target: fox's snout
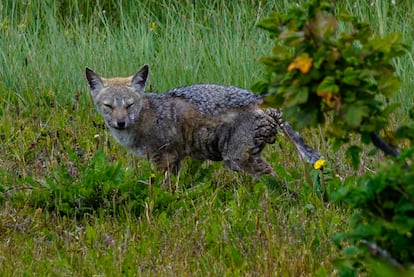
{"x": 119, "y": 119}
{"x": 121, "y": 123}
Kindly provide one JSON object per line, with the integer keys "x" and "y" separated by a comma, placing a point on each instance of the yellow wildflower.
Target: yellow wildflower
{"x": 319, "y": 164}
{"x": 331, "y": 100}
{"x": 152, "y": 175}
{"x": 302, "y": 62}
{"x": 153, "y": 26}
{"x": 4, "y": 25}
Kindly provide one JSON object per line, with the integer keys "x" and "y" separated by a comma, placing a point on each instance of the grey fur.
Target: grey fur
{"x": 203, "y": 121}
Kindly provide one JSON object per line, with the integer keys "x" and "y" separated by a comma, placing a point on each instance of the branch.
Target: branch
{"x": 7, "y": 192}
{"x": 385, "y": 147}
{"x": 377, "y": 251}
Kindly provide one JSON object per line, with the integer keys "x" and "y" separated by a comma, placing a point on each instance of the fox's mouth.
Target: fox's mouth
{"x": 117, "y": 126}
{"x": 120, "y": 124}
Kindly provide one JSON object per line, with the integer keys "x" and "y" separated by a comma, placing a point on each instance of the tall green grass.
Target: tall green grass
{"x": 190, "y": 43}
{"x": 217, "y": 222}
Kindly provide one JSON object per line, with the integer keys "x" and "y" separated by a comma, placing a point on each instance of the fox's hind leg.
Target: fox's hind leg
{"x": 243, "y": 154}
{"x": 253, "y": 165}
{"x": 256, "y": 166}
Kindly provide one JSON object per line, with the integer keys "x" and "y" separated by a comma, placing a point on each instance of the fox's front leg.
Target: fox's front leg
{"x": 168, "y": 163}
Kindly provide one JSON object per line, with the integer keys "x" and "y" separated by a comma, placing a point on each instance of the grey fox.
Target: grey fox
{"x": 203, "y": 121}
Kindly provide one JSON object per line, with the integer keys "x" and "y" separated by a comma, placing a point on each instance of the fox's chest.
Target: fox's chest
{"x": 127, "y": 139}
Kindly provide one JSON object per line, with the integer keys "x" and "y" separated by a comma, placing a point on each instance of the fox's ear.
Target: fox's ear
{"x": 95, "y": 82}
{"x": 140, "y": 79}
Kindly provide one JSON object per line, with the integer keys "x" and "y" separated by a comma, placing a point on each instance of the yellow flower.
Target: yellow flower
{"x": 4, "y": 25}
{"x": 319, "y": 164}
{"x": 302, "y": 62}
{"x": 153, "y": 26}
{"x": 152, "y": 175}
{"x": 330, "y": 99}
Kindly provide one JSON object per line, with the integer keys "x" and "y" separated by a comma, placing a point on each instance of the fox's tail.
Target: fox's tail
{"x": 307, "y": 152}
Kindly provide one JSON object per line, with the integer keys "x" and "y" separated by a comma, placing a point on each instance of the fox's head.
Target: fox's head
{"x": 119, "y": 100}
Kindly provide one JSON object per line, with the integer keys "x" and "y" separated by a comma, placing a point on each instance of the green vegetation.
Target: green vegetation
{"x": 75, "y": 203}
{"x": 333, "y": 70}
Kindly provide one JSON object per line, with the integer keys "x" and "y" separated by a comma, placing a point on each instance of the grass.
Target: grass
{"x": 53, "y": 147}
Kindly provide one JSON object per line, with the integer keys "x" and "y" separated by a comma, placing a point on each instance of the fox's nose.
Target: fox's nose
{"x": 121, "y": 123}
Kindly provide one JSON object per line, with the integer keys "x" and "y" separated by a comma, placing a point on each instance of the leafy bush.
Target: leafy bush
{"x": 101, "y": 186}
{"x": 333, "y": 69}
{"x": 384, "y": 210}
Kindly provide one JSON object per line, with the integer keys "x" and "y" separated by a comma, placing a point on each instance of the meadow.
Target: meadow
{"x": 74, "y": 203}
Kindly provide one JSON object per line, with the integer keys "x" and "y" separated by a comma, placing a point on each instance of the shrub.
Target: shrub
{"x": 332, "y": 69}
{"x": 100, "y": 186}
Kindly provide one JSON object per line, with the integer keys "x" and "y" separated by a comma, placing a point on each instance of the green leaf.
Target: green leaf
{"x": 365, "y": 137}
{"x": 291, "y": 38}
{"x": 405, "y": 132}
{"x": 296, "y": 95}
{"x": 350, "y": 251}
{"x": 281, "y": 52}
{"x": 271, "y": 62}
{"x": 380, "y": 44}
{"x": 336, "y": 144}
{"x": 390, "y": 108}
{"x": 389, "y": 85}
{"x": 385, "y": 44}
{"x": 322, "y": 25}
{"x": 353, "y": 154}
{"x": 260, "y": 87}
{"x": 271, "y": 23}
{"x": 351, "y": 76}
{"x": 301, "y": 118}
{"x": 327, "y": 85}
{"x": 272, "y": 100}
{"x": 355, "y": 114}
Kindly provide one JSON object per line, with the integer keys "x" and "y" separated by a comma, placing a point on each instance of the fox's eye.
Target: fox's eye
{"x": 130, "y": 105}
{"x": 108, "y": 106}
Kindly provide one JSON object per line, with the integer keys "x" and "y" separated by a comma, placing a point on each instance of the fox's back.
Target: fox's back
{"x": 215, "y": 99}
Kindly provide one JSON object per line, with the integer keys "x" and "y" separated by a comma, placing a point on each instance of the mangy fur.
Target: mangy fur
{"x": 203, "y": 121}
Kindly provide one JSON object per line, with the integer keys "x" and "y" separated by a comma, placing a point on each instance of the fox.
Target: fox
{"x": 201, "y": 121}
